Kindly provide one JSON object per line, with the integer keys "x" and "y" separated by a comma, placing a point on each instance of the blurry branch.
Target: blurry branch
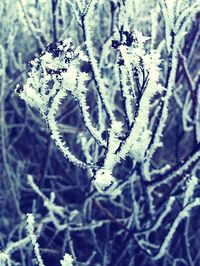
{"x": 31, "y": 28}
{"x": 3, "y": 135}
{"x": 110, "y": 216}
{"x": 54, "y": 6}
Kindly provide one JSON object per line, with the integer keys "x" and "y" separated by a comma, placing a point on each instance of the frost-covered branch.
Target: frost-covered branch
{"x": 131, "y": 94}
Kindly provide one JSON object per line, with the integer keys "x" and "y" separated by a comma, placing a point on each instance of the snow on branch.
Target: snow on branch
{"x": 30, "y": 230}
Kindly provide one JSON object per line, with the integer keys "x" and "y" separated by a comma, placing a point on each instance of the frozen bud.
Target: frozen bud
{"x": 67, "y": 260}
{"x": 103, "y": 179}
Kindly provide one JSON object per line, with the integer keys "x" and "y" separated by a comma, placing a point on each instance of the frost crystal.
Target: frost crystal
{"x": 67, "y": 260}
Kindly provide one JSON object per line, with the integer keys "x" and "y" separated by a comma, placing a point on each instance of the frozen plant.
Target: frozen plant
{"x": 135, "y": 82}
{"x": 57, "y": 72}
